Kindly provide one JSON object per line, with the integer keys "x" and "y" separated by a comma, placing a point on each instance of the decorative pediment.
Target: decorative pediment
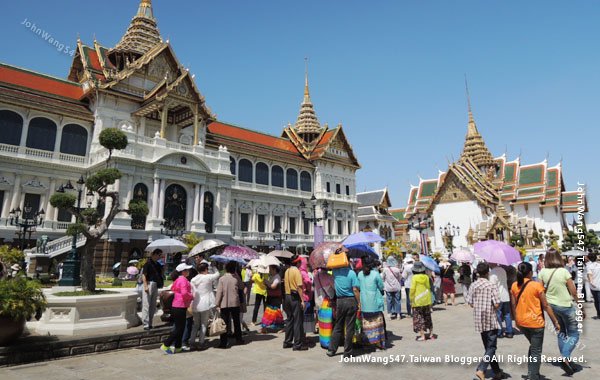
{"x": 4, "y": 182}
{"x": 453, "y": 190}
{"x": 34, "y": 185}
{"x": 293, "y": 212}
{"x": 183, "y": 161}
{"x": 161, "y": 67}
{"x": 262, "y": 209}
{"x": 278, "y": 210}
{"x": 245, "y": 207}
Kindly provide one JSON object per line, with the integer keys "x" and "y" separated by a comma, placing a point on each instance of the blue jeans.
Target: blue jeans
{"x": 408, "y": 309}
{"x": 394, "y": 305}
{"x": 536, "y": 342}
{"x": 503, "y": 314}
{"x": 569, "y": 335}
{"x": 187, "y": 331}
{"x": 489, "y": 339}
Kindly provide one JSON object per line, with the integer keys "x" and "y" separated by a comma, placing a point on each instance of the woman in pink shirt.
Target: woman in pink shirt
{"x": 181, "y": 301}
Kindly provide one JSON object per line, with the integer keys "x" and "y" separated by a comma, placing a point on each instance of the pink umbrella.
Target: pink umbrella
{"x": 497, "y": 252}
{"x": 132, "y": 270}
{"x": 239, "y": 252}
{"x": 462, "y": 255}
{"x": 318, "y": 257}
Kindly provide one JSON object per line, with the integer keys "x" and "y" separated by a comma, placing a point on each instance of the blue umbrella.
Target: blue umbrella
{"x": 362, "y": 238}
{"x": 359, "y": 250}
{"x": 224, "y": 259}
{"x": 430, "y": 263}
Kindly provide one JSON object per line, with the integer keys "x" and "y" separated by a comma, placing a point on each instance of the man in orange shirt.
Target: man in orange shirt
{"x": 528, "y": 303}
{"x": 294, "y": 306}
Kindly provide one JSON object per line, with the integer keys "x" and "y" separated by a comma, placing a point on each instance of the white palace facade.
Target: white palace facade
{"x": 198, "y": 174}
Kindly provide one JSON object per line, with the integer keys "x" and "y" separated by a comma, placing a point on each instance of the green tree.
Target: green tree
{"x": 89, "y": 223}
{"x": 392, "y": 247}
{"x": 191, "y": 240}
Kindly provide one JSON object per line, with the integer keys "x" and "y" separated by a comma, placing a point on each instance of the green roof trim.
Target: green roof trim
{"x": 428, "y": 189}
{"x": 509, "y": 172}
{"x": 552, "y": 178}
{"x": 535, "y": 190}
{"x": 413, "y": 196}
{"x": 398, "y": 215}
{"x": 531, "y": 175}
{"x": 570, "y": 198}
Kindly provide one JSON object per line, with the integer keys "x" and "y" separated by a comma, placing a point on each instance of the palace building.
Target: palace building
{"x": 197, "y": 173}
{"x": 480, "y": 197}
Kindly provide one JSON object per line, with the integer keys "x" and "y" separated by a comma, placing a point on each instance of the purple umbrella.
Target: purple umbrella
{"x": 239, "y": 252}
{"x": 132, "y": 270}
{"x": 497, "y": 252}
{"x": 362, "y": 238}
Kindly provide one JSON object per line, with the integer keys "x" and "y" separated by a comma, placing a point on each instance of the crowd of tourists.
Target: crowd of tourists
{"x": 345, "y": 305}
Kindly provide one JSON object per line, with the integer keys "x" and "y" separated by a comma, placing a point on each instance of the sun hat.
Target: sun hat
{"x": 183, "y": 266}
{"x": 419, "y": 267}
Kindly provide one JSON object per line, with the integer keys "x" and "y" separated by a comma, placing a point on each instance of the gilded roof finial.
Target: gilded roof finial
{"x": 472, "y": 127}
{"x": 306, "y": 77}
{"x": 307, "y": 125}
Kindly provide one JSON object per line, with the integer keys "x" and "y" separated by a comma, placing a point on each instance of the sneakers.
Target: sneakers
{"x": 185, "y": 348}
{"x": 178, "y": 350}
{"x": 166, "y": 350}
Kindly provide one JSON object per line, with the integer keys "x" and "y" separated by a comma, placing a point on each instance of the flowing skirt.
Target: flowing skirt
{"x": 325, "y": 323}
{"x": 272, "y": 318}
{"x": 373, "y": 328}
{"x": 422, "y": 318}
{"x": 448, "y": 286}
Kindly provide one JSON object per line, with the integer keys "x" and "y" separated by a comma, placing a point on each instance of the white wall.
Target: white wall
{"x": 464, "y": 214}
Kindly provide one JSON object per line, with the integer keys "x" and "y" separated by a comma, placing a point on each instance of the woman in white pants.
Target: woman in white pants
{"x": 204, "y": 302}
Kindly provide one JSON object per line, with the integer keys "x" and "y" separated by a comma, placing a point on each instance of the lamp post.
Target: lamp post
{"x": 314, "y": 219}
{"x": 522, "y": 238}
{"x": 71, "y": 275}
{"x": 26, "y": 224}
{"x": 280, "y": 237}
{"x": 449, "y": 232}
{"x": 171, "y": 228}
{"x": 420, "y": 224}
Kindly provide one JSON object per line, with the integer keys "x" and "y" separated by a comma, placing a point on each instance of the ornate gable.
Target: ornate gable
{"x": 453, "y": 190}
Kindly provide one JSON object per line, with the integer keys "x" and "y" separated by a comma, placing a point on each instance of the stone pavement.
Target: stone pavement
{"x": 263, "y": 357}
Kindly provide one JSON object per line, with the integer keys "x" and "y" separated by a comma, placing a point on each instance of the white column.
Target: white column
{"x": 189, "y": 209}
{"x": 16, "y": 193}
{"x": 24, "y": 132}
{"x": 161, "y": 202}
{"x": 201, "y": 216}
{"x": 155, "y": 193}
{"x": 58, "y": 139}
{"x": 117, "y": 188}
{"x": 217, "y": 207}
{"x": 107, "y": 206}
{"x": 196, "y": 202}
{"x": 5, "y": 206}
{"x": 129, "y": 193}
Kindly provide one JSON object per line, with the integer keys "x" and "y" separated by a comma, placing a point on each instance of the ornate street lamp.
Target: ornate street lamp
{"x": 314, "y": 219}
{"x": 522, "y": 238}
{"x": 448, "y": 233}
{"x": 420, "y": 224}
{"x": 72, "y": 266}
{"x": 26, "y": 225}
{"x": 280, "y": 237}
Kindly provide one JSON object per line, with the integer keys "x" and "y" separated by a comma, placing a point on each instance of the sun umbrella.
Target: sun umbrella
{"x": 132, "y": 270}
{"x": 359, "y": 250}
{"x": 362, "y": 238}
{"x": 225, "y": 259}
{"x": 574, "y": 252}
{"x": 116, "y": 266}
{"x": 497, "y": 252}
{"x": 206, "y": 246}
{"x": 261, "y": 264}
{"x": 318, "y": 257}
{"x": 462, "y": 255}
{"x": 167, "y": 245}
{"x": 241, "y": 252}
{"x": 281, "y": 253}
{"x": 430, "y": 263}
{"x": 134, "y": 261}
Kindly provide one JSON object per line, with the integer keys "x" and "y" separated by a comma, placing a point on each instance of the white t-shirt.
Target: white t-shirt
{"x": 593, "y": 270}
{"x": 498, "y": 277}
{"x": 407, "y": 274}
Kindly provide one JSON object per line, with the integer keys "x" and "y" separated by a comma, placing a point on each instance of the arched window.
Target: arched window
{"x": 140, "y": 192}
{"x": 175, "y": 206}
{"x": 277, "y": 176}
{"x": 74, "y": 140}
{"x": 292, "y": 179}
{"x": 41, "y": 134}
{"x": 245, "y": 174}
{"x": 232, "y": 165}
{"x": 262, "y": 173}
{"x": 208, "y": 212}
{"x": 305, "y": 181}
{"x": 11, "y": 125}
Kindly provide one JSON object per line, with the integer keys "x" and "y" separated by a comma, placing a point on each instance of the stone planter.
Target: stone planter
{"x": 89, "y": 315}
{"x": 10, "y": 330}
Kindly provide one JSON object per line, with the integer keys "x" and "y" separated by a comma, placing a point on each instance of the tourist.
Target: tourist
{"x": 371, "y": 303}
{"x": 204, "y": 302}
{"x": 348, "y": 298}
{"x": 572, "y": 267}
{"x": 243, "y": 304}
{"x": 182, "y": 298}
{"x": 533, "y": 267}
{"x": 464, "y": 278}
{"x": 593, "y": 277}
{"x": 294, "y": 301}
{"x": 309, "y": 307}
{"x": 152, "y": 278}
{"x": 272, "y": 317}
{"x": 407, "y": 274}
{"x": 560, "y": 293}
{"x": 448, "y": 282}
{"x": 528, "y": 303}
{"x": 260, "y": 291}
{"x": 540, "y": 263}
{"x": 324, "y": 295}
{"x": 391, "y": 276}
{"x": 420, "y": 300}
{"x": 483, "y": 297}
{"x": 228, "y": 303}
{"x": 498, "y": 277}
{"x": 247, "y": 279}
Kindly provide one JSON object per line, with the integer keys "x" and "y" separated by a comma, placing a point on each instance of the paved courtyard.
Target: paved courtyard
{"x": 263, "y": 357}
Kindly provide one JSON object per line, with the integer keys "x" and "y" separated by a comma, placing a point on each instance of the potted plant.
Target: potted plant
{"x": 20, "y": 298}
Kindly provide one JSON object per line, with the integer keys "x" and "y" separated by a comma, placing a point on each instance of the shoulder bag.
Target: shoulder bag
{"x": 217, "y": 326}
{"x": 338, "y": 260}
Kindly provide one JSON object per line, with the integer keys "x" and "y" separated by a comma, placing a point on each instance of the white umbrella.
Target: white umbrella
{"x": 167, "y": 246}
{"x": 206, "y": 245}
{"x": 574, "y": 253}
{"x": 261, "y": 264}
{"x": 281, "y": 253}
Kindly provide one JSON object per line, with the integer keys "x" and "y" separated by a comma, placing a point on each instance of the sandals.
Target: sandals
{"x": 480, "y": 375}
{"x": 420, "y": 339}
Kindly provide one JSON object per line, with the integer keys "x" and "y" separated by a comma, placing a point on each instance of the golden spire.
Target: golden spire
{"x": 145, "y": 9}
{"x": 475, "y": 147}
{"x": 307, "y": 125}
{"x": 142, "y": 33}
{"x": 306, "y": 93}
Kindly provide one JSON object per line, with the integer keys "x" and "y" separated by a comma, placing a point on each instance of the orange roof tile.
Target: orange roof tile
{"x": 231, "y": 131}
{"x": 40, "y": 82}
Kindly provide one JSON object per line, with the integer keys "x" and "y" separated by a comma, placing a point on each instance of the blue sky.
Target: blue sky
{"x": 392, "y": 72}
